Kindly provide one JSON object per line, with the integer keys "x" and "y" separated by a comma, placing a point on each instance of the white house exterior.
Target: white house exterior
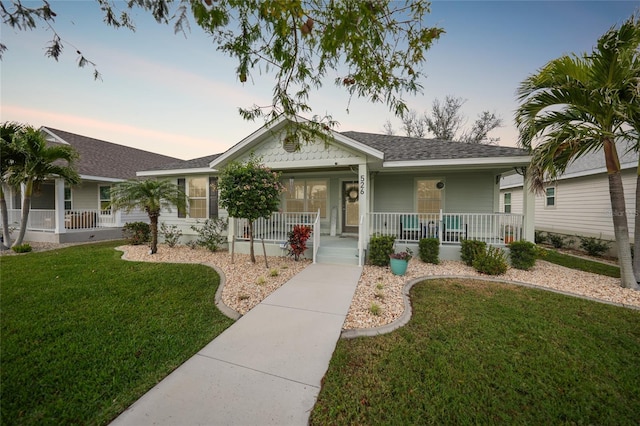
{"x": 578, "y": 203}
{"x": 61, "y": 213}
{"x": 361, "y": 184}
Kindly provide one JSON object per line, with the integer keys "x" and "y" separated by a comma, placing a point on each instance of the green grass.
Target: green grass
{"x": 487, "y": 353}
{"x": 580, "y": 264}
{"x": 85, "y": 334}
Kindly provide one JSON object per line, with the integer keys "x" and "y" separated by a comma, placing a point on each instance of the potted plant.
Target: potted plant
{"x": 399, "y": 261}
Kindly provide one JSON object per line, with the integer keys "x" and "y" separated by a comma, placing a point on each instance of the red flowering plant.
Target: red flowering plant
{"x": 298, "y": 240}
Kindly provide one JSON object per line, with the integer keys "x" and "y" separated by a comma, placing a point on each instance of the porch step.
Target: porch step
{"x": 337, "y": 255}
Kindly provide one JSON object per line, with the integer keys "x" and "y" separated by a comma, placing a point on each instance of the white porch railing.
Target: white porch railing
{"x": 276, "y": 228}
{"x": 39, "y": 220}
{"x": 89, "y": 219}
{"x": 316, "y": 236}
{"x": 44, "y": 220}
{"x": 449, "y": 228}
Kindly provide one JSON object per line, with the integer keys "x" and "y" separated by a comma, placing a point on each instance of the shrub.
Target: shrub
{"x": 380, "y": 247}
{"x": 594, "y": 246}
{"x": 429, "y": 250}
{"x": 22, "y": 248}
{"x": 375, "y": 309}
{"x": 540, "y": 237}
{"x": 136, "y": 233}
{"x": 556, "y": 240}
{"x": 171, "y": 234}
{"x": 491, "y": 262}
{"x": 298, "y": 240}
{"x": 469, "y": 249}
{"x": 523, "y": 254}
{"x": 192, "y": 244}
{"x": 210, "y": 233}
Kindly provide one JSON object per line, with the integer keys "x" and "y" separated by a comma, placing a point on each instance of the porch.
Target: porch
{"x": 450, "y": 229}
{"x": 75, "y": 225}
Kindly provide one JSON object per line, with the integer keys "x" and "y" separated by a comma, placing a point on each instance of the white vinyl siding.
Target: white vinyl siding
{"x": 585, "y": 207}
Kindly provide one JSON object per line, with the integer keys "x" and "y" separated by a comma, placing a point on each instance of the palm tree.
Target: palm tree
{"x": 580, "y": 104}
{"x": 38, "y": 161}
{"x": 10, "y": 154}
{"x": 150, "y": 195}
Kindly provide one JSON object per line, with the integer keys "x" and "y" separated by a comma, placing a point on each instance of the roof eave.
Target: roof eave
{"x": 175, "y": 172}
{"x": 448, "y": 162}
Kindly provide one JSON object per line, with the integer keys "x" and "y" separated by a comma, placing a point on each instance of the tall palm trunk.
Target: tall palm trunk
{"x": 26, "y": 206}
{"x": 153, "y": 219}
{"x": 4, "y": 211}
{"x": 621, "y": 232}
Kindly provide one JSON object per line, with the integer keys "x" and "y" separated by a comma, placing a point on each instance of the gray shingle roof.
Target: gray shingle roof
{"x": 195, "y": 163}
{"x": 591, "y": 163}
{"x": 402, "y": 148}
{"x": 106, "y": 159}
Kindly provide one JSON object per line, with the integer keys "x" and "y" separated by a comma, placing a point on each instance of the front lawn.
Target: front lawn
{"x": 487, "y": 353}
{"x": 581, "y": 264}
{"x": 85, "y": 334}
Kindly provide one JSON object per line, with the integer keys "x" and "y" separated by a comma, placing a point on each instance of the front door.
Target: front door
{"x": 350, "y": 207}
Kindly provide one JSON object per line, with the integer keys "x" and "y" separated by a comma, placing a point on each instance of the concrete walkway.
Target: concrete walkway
{"x": 266, "y": 368}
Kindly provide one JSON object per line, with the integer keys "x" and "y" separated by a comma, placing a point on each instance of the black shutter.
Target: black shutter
{"x": 182, "y": 184}
{"x": 213, "y": 197}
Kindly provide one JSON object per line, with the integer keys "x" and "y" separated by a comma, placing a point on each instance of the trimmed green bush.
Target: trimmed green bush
{"x": 22, "y": 248}
{"x": 429, "y": 250}
{"x": 523, "y": 254}
{"x": 470, "y": 249}
{"x": 136, "y": 233}
{"x": 380, "y": 247}
{"x": 493, "y": 261}
{"x": 594, "y": 246}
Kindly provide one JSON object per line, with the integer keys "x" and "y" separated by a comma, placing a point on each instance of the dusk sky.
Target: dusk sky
{"x": 178, "y": 96}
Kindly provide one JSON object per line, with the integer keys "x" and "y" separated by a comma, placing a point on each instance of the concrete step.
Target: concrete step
{"x": 337, "y": 255}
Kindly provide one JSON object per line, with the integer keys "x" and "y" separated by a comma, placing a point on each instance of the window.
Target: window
{"x": 507, "y": 202}
{"x": 197, "y": 193}
{"x": 306, "y": 196}
{"x": 429, "y": 196}
{"x": 67, "y": 198}
{"x": 105, "y": 199}
{"x": 551, "y": 197}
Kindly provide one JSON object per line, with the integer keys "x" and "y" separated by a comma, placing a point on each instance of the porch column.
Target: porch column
{"x": 528, "y": 210}
{"x": 118, "y": 218}
{"x": 364, "y": 197}
{"x": 59, "y": 206}
{"x": 496, "y": 194}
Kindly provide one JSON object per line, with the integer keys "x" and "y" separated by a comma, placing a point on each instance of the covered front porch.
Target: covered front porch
{"x": 64, "y": 226}
{"x": 498, "y": 229}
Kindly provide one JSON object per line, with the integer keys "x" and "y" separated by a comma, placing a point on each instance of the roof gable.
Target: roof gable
{"x": 268, "y": 144}
{"x": 102, "y": 159}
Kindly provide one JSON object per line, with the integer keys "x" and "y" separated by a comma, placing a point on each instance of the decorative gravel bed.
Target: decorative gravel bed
{"x": 248, "y": 284}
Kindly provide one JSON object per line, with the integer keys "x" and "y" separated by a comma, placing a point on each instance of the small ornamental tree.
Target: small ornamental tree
{"x": 249, "y": 191}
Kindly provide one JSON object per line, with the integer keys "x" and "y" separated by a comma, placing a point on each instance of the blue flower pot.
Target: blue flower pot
{"x": 398, "y": 266}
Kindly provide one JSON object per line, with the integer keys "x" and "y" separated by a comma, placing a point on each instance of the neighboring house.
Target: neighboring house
{"x": 61, "y": 213}
{"x": 361, "y": 184}
{"x": 578, "y": 203}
